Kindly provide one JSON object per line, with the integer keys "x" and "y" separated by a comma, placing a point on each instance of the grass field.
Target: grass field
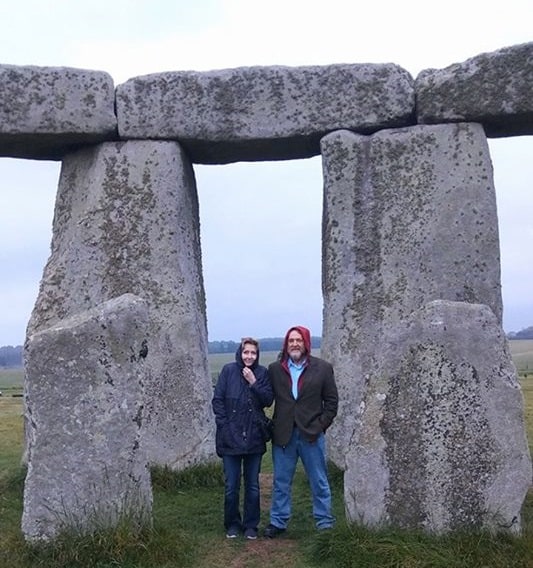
{"x": 522, "y": 353}
{"x": 187, "y": 513}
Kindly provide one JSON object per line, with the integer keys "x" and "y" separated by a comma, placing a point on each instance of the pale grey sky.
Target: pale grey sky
{"x": 256, "y": 288}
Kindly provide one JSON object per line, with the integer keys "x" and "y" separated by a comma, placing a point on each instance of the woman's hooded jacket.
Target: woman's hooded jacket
{"x": 237, "y": 405}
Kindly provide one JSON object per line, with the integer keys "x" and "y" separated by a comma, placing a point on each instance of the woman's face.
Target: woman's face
{"x": 249, "y": 354}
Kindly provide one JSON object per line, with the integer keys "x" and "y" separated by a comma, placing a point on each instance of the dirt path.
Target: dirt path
{"x": 271, "y": 553}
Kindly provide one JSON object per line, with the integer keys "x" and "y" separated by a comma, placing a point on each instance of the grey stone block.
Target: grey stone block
{"x": 263, "y": 113}
{"x": 85, "y": 381}
{"x": 126, "y": 221}
{"x": 46, "y": 112}
{"x": 409, "y": 217}
{"x": 441, "y": 444}
{"x": 494, "y": 89}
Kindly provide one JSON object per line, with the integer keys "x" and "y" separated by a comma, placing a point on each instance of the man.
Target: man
{"x": 306, "y": 402}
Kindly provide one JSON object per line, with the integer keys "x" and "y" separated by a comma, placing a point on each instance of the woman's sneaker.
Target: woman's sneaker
{"x": 250, "y": 534}
{"x": 232, "y": 532}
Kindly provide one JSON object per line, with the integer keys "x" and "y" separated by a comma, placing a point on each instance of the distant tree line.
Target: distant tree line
{"x": 265, "y": 344}
{"x": 12, "y": 356}
{"x": 526, "y": 333}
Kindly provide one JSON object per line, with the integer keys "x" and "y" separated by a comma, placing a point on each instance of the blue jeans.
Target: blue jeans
{"x": 313, "y": 456}
{"x": 250, "y": 465}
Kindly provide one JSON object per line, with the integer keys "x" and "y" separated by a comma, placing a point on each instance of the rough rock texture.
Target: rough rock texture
{"x": 409, "y": 217}
{"x": 126, "y": 221}
{"x": 263, "y": 113}
{"x": 46, "y": 112}
{"x": 84, "y": 387}
{"x": 492, "y": 88}
{"x": 441, "y": 445}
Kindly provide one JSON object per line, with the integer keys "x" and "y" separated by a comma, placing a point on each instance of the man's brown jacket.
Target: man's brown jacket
{"x": 314, "y": 409}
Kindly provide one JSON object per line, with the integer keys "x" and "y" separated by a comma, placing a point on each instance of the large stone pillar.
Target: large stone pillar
{"x": 441, "y": 441}
{"x": 127, "y": 221}
{"x": 409, "y": 217}
{"x": 85, "y": 394}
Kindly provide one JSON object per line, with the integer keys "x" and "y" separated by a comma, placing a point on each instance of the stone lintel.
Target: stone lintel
{"x": 46, "y": 112}
{"x": 263, "y": 113}
{"x": 493, "y": 89}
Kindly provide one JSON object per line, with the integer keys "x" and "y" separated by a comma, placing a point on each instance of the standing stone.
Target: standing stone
{"x": 84, "y": 387}
{"x": 127, "y": 221}
{"x": 409, "y": 217}
{"x": 441, "y": 444}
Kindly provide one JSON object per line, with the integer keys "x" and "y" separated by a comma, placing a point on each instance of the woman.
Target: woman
{"x": 242, "y": 391}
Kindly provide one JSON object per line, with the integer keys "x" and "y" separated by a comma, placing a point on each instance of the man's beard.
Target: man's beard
{"x": 296, "y": 354}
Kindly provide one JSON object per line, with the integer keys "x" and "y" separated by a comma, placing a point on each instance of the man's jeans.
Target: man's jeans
{"x": 313, "y": 456}
{"x": 251, "y": 465}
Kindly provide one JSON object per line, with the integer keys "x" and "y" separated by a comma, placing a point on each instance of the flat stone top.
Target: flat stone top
{"x": 47, "y": 111}
{"x": 494, "y": 89}
{"x": 258, "y": 113}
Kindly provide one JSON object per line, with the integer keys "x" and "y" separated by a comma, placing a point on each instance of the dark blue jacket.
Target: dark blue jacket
{"x": 236, "y": 404}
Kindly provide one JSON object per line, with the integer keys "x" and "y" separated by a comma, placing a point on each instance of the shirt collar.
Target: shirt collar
{"x": 297, "y": 365}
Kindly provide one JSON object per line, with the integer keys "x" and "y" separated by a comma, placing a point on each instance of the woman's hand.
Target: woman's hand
{"x": 249, "y": 376}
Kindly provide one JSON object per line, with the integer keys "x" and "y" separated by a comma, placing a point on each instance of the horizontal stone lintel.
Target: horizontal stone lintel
{"x": 46, "y": 112}
{"x": 257, "y": 113}
{"x": 493, "y": 89}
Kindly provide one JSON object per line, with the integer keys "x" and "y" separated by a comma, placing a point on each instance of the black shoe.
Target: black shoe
{"x": 272, "y": 531}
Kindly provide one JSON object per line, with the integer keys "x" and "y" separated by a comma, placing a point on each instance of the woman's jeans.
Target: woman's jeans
{"x": 313, "y": 456}
{"x": 250, "y": 465}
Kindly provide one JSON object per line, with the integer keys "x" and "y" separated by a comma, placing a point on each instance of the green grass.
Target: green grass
{"x": 187, "y": 528}
{"x": 522, "y": 354}
{"x": 11, "y": 381}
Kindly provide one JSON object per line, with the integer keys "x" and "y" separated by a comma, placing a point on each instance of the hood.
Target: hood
{"x": 239, "y": 361}
{"x": 305, "y": 333}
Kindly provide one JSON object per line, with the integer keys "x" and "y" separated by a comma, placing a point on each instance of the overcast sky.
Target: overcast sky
{"x": 260, "y": 222}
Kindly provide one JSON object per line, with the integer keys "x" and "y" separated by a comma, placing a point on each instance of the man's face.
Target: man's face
{"x": 295, "y": 346}
{"x": 249, "y": 354}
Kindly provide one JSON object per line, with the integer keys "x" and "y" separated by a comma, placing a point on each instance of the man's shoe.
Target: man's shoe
{"x": 250, "y": 534}
{"x": 232, "y": 532}
{"x": 272, "y": 531}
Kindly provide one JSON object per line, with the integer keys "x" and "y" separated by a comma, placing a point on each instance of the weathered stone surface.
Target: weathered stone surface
{"x": 409, "y": 217}
{"x": 126, "y": 221}
{"x": 441, "y": 445}
{"x": 492, "y": 88}
{"x": 263, "y": 113}
{"x": 46, "y": 112}
{"x": 84, "y": 387}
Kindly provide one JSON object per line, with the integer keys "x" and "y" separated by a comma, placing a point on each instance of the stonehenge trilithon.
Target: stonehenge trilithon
{"x": 411, "y": 270}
